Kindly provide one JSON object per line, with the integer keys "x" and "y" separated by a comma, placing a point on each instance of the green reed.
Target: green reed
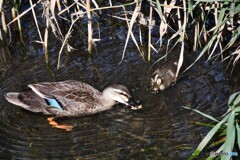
{"x": 227, "y": 129}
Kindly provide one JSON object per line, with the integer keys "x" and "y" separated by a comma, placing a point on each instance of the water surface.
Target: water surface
{"x": 161, "y": 130}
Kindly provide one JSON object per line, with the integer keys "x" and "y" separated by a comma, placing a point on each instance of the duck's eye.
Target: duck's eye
{"x": 124, "y": 94}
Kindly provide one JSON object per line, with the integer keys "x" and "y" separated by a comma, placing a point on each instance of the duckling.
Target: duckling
{"x": 70, "y": 99}
{"x": 164, "y": 76}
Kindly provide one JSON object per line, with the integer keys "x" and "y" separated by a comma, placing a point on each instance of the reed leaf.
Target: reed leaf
{"x": 233, "y": 39}
{"x": 237, "y": 52}
{"x": 229, "y": 143}
{"x": 130, "y": 26}
{"x": 207, "y": 138}
{"x": 236, "y": 101}
{"x": 238, "y": 135}
{"x": 163, "y": 24}
{"x": 203, "y": 51}
{"x": 201, "y": 113}
{"x": 232, "y": 99}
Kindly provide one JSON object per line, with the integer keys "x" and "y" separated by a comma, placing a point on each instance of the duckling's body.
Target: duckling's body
{"x": 164, "y": 75}
{"x": 68, "y": 98}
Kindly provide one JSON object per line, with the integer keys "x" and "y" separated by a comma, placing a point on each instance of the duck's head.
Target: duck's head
{"x": 121, "y": 94}
{"x": 157, "y": 83}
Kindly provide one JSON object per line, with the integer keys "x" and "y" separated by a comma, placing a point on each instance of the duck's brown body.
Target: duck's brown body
{"x": 68, "y": 98}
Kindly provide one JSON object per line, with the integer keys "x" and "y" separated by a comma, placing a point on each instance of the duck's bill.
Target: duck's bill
{"x": 134, "y": 105}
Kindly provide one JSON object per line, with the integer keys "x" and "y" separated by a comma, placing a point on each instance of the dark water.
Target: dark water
{"x": 161, "y": 130}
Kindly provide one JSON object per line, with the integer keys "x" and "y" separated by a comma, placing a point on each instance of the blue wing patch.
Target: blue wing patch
{"x": 54, "y": 103}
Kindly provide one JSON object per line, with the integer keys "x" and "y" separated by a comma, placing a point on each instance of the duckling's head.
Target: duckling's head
{"x": 120, "y": 93}
{"x": 157, "y": 83}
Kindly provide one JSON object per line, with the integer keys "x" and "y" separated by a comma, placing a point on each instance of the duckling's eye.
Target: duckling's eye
{"x": 156, "y": 77}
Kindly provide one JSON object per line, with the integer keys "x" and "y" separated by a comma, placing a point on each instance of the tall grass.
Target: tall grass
{"x": 211, "y": 26}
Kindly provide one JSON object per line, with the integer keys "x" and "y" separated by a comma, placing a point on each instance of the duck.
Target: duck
{"x": 70, "y": 98}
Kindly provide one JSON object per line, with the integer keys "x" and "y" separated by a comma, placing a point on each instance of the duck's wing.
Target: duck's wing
{"x": 68, "y": 94}
{"x": 45, "y": 90}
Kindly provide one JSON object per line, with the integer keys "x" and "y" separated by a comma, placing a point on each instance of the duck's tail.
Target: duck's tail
{"x": 13, "y": 97}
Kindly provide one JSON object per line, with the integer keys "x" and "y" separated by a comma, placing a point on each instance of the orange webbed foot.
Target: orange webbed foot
{"x": 56, "y": 125}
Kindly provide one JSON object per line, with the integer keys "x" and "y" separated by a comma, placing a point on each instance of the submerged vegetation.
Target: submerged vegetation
{"x": 212, "y": 28}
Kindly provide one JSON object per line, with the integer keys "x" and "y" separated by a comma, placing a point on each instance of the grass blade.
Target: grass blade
{"x": 207, "y": 138}
{"x": 238, "y": 135}
{"x": 232, "y": 98}
{"x": 203, "y": 114}
{"x": 229, "y": 143}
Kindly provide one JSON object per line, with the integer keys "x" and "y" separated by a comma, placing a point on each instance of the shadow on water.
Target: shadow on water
{"x": 162, "y": 129}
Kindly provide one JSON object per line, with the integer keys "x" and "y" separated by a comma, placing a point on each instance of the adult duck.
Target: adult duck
{"x": 69, "y": 99}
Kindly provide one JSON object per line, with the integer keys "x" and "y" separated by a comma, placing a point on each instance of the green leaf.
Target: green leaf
{"x": 231, "y": 99}
{"x": 207, "y": 138}
{"x": 238, "y": 135}
{"x": 229, "y": 143}
{"x": 203, "y": 114}
{"x": 237, "y": 109}
{"x": 236, "y": 101}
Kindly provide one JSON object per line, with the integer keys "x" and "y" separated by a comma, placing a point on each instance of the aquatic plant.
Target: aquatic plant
{"x": 212, "y": 27}
{"x": 227, "y": 129}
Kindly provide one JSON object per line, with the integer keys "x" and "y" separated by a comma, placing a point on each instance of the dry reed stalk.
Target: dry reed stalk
{"x": 150, "y": 31}
{"x": 1, "y": 2}
{"x": 65, "y": 41}
{"x": 53, "y": 21}
{"x": 110, "y": 2}
{"x": 88, "y": 6}
{"x": 45, "y": 42}
{"x": 183, "y": 28}
{"x": 1, "y": 37}
{"x": 237, "y": 53}
{"x": 135, "y": 14}
{"x": 36, "y": 22}
{"x": 20, "y": 29}
{"x": 196, "y": 36}
{"x": 22, "y": 14}
{"x": 59, "y": 5}
{"x": 3, "y": 21}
